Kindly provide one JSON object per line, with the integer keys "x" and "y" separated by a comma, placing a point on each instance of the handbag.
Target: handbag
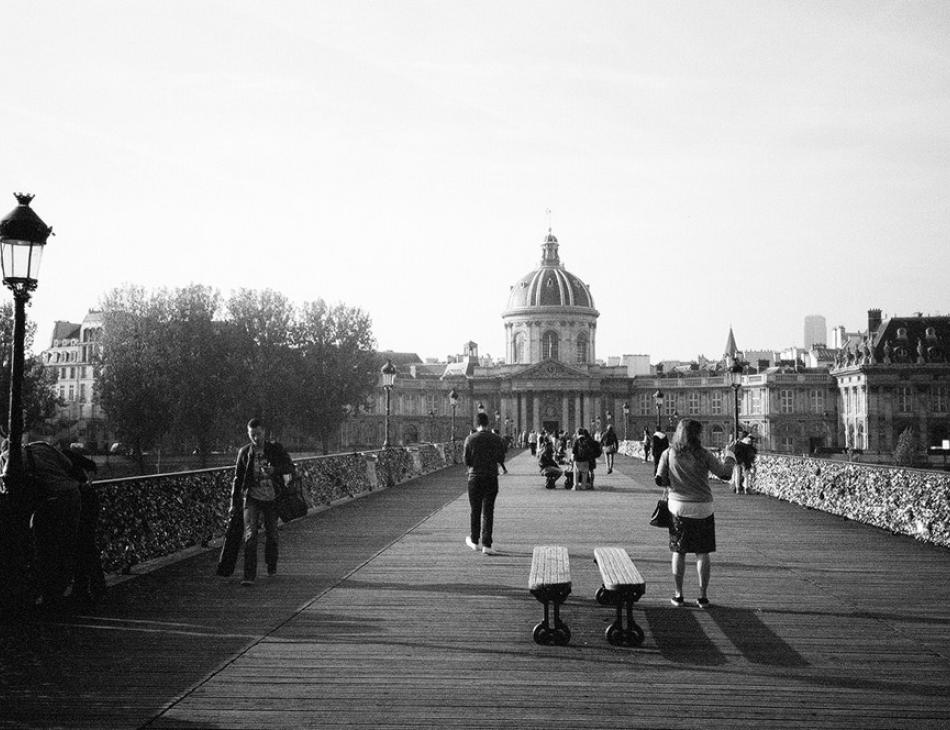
{"x": 290, "y": 502}
{"x": 661, "y": 515}
{"x": 610, "y": 449}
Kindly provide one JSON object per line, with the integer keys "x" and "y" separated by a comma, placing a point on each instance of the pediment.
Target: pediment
{"x": 550, "y": 370}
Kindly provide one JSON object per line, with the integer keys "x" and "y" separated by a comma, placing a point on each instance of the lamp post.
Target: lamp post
{"x": 22, "y": 240}
{"x": 735, "y": 380}
{"x": 453, "y": 401}
{"x": 626, "y": 416}
{"x": 658, "y": 399}
{"x": 389, "y": 379}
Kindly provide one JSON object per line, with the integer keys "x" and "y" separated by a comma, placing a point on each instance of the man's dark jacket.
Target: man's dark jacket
{"x": 244, "y": 477}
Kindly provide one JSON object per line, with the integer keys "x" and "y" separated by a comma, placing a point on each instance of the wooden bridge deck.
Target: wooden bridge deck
{"x": 381, "y": 617}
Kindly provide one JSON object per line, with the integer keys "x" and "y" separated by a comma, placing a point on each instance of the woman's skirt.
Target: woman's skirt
{"x": 688, "y": 535}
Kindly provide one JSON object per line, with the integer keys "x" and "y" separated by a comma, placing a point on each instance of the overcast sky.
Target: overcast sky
{"x": 706, "y": 163}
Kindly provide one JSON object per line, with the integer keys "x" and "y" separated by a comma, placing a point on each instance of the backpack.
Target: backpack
{"x": 586, "y": 449}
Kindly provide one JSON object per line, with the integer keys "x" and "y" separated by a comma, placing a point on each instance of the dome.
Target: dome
{"x": 550, "y": 285}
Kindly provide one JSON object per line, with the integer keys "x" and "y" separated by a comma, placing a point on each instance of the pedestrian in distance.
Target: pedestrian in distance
{"x": 609, "y": 443}
{"x": 659, "y": 444}
{"x": 483, "y": 454}
{"x": 684, "y": 471}
{"x": 647, "y": 443}
{"x": 745, "y": 464}
{"x": 584, "y": 452}
{"x": 533, "y": 442}
{"x": 547, "y": 463}
{"x": 263, "y": 468}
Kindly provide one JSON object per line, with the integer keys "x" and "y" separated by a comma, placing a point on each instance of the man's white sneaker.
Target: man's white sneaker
{"x": 468, "y": 541}
{"x": 488, "y": 551}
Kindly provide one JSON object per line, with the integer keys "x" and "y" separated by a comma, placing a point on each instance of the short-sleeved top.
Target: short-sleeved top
{"x": 262, "y": 484}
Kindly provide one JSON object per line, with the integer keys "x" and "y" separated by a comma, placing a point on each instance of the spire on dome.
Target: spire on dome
{"x": 550, "y": 256}
{"x": 731, "y": 349}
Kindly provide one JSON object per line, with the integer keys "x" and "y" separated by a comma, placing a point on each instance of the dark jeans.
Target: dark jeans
{"x": 254, "y": 509}
{"x": 55, "y": 527}
{"x": 482, "y": 491}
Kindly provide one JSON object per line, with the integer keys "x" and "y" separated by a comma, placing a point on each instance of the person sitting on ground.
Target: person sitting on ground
{"x": 547, "y": 463}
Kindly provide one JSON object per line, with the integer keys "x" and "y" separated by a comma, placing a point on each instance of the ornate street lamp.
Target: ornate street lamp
{"x": 658, "y": 399}
{"x": 389, "y": 379}
{"x": 626, "y": 416}
{"x": 735, "y": 380}
{"x": 22, "y": 240}
{"x": 453, "y": 401}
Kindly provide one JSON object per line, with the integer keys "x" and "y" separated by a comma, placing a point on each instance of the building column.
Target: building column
{"x": 578, "y": 412}
{"x": 598, "y": 413}
{"x": 523, "y": 415}
{"x": 536, "y": 411}
{"x": 565, "y": 413}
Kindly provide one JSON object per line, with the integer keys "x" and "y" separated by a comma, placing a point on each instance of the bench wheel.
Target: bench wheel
{"x": 604, "y": 597}
{"x": 543, "y": 634}
{"x": 614, "y": 634}
{"x": 562, "y": 634}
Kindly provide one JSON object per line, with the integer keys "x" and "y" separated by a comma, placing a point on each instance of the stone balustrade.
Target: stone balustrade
{"x": 149, "y": 517}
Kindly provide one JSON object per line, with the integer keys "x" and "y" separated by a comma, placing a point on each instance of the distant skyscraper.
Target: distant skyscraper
{"x": 816, "y": 331}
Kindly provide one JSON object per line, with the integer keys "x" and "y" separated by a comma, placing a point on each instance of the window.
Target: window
{"x": 644, "y": 404}
{"x": 786, "y": 400}
{"x": 756, "y": 402}
{"x": 669, "y": 404}
{"x": 517, "y": 348}
{"x": 82, "y": 392}
{"x": 817, "y": 398}
{"x": 939, "y": 398}
{"x": 693, "y": 403}
{"x": 717, "y": 435}
{"x": 431, "y": 403}
{"x": 72, "y": 392}
{"x": 582, "y": 344}
{"x": 905, "y": 398}
{"x": 549, "y": 345}
{"x": 716, "y": 402}
{"x": 72, "y": 372}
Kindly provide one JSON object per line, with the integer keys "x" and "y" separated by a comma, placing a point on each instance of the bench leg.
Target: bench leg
{"x": 616, "y": 634}
{"x": 546, "y": 634}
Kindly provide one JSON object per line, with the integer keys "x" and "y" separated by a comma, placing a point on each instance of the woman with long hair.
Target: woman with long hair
{"x": 684, "y": 470}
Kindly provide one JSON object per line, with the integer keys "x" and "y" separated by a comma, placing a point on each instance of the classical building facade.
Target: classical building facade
{"x": 71, "y": 354}
{"x": 552, "y": 380}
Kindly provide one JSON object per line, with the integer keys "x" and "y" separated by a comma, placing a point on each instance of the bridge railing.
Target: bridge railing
{"x": 149, "y": 517}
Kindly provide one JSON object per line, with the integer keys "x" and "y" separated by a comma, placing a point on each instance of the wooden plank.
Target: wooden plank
{"x": 550, "y": 568}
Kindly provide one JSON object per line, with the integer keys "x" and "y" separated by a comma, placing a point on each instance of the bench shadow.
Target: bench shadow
{"x": 680, "y": 638}
{"x": 756, "y": 641}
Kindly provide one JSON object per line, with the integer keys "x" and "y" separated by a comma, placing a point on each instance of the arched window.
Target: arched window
{"x": 549, "y": 345}
{"x": 583, "y": 344}
{"x": 517, "y": 348}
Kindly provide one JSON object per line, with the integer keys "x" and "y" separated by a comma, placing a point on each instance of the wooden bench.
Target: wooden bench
{"x": 550, "y": 583}
{"x": 623, "y": 585}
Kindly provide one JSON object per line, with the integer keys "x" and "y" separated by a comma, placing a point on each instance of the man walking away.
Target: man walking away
{"x": 484, "y": 453}
{"x": 660, "y": 444}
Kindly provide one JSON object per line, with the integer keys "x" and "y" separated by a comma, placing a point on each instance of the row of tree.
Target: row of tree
{"x": 184, "y": 369}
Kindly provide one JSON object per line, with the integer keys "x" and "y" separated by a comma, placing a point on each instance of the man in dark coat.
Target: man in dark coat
{"x": 484, "y": 453}
{"x": 659, "y": 445}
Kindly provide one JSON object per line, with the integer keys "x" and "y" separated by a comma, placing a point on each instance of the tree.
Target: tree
{"x": 905, "y": 452}
{"x": 39, "y": 396}
{"x": 262, "y": 323}
{"x": 336, "y": 348}
{"x": 131, "y": 382}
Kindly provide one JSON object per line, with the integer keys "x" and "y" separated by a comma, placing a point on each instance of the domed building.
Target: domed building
{"x": 550, "y": 314}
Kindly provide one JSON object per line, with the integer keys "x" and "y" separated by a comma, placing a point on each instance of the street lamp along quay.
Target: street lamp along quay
{"x": 626, "y": 416}
{"x": 453, "y": 401}
{"x": 389, "y": 379}
{"x": 22, "y": 240}
{"x": 735, "y": 380}
{"x": 658, "y": 399}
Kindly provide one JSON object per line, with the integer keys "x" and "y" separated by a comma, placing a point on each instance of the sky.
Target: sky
{"x": 706, "y": 164}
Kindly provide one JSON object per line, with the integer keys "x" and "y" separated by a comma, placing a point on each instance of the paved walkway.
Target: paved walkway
{"x": 381, "y": 617}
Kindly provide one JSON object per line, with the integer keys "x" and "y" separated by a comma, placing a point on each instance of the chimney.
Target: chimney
{"x": 874, "y": 320}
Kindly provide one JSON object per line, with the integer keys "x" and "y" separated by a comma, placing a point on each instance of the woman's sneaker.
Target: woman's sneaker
{"x": 677, "y": 600}
{"x": 702, "y": 602}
